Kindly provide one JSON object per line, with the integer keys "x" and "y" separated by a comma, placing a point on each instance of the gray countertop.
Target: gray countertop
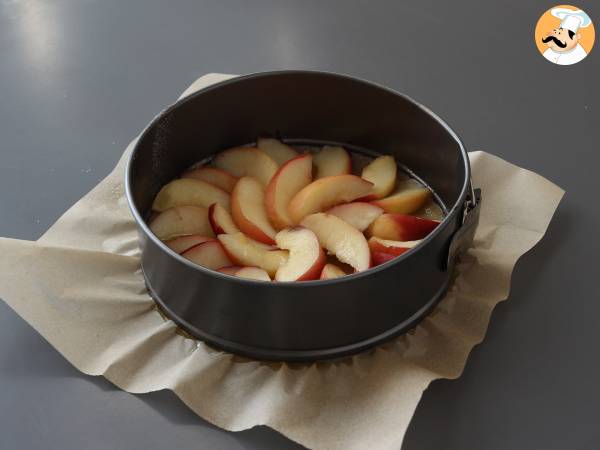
{"x": 79, "y": 79}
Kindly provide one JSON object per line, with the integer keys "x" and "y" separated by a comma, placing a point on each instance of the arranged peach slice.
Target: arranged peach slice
{"x": 322, "y": 194}
{"x": 358, "y": 214}
{"x": 332, "y": 161}
{"x": 220, "y": 220}
{"x": 214, "y": 176}
{"x": 189, "y": 192}
{"x": 247, "y": 161}
{"x": 181, "y": 220}
{"x": 382, "y": 173}
{"x": 229, "y": 270}
{"x": 381, "y": 257}
{"x": 395, "y": 248}
{"x": 253, "y": 273}
{"x": 209, "y": 254}
{"x": 277, "y": 150}
{"x": 404, "y": 202}
{"x": 289, "y": 179}
{"x": 248, "y": 210}
{"x": 331, "y": 271}
{"x": 338, "y": 237}
{"x": 400, "y": 227}
{"x": 306, "y": 258}
{"x": 182, "y": 243}
{"x": 245, "y": 252}
{"x": 250, "y": 273}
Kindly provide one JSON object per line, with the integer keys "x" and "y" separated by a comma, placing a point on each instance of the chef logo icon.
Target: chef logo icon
{"x": 564, "y": 35}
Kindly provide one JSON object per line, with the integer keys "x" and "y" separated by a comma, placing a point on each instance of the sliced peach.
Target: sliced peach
{"x": 229, "y": 270}
{"x": 404, "y": 202}
{"x": 247, "y": 161}
{"x": 358, "y": 214}
{"x": 322, "y": 194}
{"x": 182, "y": 243}
{"x": 338, "y": 237}
{"x": 181, "y": 220}
{"x": 220, "y": 220}
{"x": 289, "y": 179}
{"x": 277, "y": 150}
{"x": 250, "y": 273}
{"x": 306, "y": 257}
{"x": 249, "y": 212}
{"x": 395, "y": 248}
{"x": 331, "y": 271}
{"x": 253, "y": 273}
{"x": 332, "y": 161}
{"x": 400, "y": 227}
{"x": 189, "y": 192}
{"x": 214, "y": 176}
{"x": 382, "y": 173}
{"x": 381, "y": 257}
{"x": 245, "y": 252}
{"x": 210, "y": 254}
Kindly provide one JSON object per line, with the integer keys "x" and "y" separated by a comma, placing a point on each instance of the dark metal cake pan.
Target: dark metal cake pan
{"x": 312, "y": 320}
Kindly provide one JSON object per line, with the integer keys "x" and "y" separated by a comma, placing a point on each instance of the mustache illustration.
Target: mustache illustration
{"x": 556, "y": 41}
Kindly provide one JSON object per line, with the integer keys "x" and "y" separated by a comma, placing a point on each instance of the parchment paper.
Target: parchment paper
{"x": 81, "y": 288}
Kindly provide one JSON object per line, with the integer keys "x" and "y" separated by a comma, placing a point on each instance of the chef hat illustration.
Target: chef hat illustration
{"x": 570, "y": 19}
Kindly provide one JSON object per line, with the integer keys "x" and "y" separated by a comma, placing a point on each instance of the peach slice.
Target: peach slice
{"x": 277, "y": 150}
{"x": 229, "y": 270}
{"x": 332, "y": 161}
{"x": 358, "y": 214}
{"x": 189, "y": 192}
{"x": 338, "y": 237}
{"x": 327, "y": 192}
{"x": 182, "y": 243}
{"x": 245, "y": 252}
{"x": 253, "y": 273}
{"x": 331, "y": 271}
{"x": 404, "y": 202}
{"x": 220, "y": 220}
{"x": 250, "y": 273}
{"x": 381, "y": 257}
{"x": 210, "y": 254}
{"x": 247, "y": 161}
{"x": 289, "y": 179}
{"x": 306, "y": 257}
{"x": 249, "y": 212}
{"x": 181, "y": 220}
{"x": 400, "y": 227}
{"x": 382, "y": 173}
{"x": 395, "y": 248}
{"x": 214, "y": 176}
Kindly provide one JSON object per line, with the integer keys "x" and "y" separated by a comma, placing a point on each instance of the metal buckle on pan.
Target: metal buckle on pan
{"x": 463, "y": 237}
{"x": 472, "y": 201}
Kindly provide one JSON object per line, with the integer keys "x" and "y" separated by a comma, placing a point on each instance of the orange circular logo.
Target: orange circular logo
{"x": 565, "y": 35}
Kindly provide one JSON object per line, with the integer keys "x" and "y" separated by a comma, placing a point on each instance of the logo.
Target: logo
{"x": 565, "y": 35}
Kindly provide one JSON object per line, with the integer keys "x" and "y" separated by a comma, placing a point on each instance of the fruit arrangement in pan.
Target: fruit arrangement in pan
{"x": 271, "y": 212}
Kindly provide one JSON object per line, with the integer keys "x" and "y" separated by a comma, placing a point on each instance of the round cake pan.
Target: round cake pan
{"x": 312, "y": 320}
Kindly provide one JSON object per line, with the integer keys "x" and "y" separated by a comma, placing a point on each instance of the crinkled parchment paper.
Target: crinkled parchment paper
{"x": 81, "y": 288}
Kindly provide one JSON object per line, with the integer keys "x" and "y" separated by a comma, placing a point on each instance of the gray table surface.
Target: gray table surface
{"x": 79, "y": 79}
